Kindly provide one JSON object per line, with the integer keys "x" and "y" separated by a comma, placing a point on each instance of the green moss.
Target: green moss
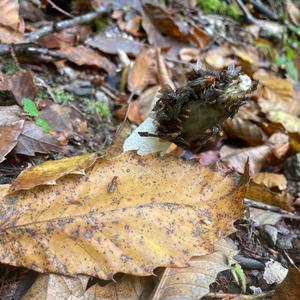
{"x": 62, "y": 96}
{"x": 219, "y": 7}
{"x": 9, "y": 67}
{"x": 100, "y": 24}
{"x": 99, "y": 108}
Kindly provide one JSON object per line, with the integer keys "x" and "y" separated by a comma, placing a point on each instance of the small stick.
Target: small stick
{"x": 263, "y": 295}
{"x": 60, "y": 9}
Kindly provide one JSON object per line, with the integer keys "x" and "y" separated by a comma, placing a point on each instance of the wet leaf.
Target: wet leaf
{"x": 192, "y": 283}
{"x": 9, "y": 135}
{"x": 128, "y": 287}
{"x": 33, "y": 140}
{"x": 271, "y": 180}
{"x": 143, "y": 72}
{"x": 79, "y": 227}
{"x": 57, "y": 287}
{"x": 81, "y": 55}
{"x": 263, "y": 194}
{"x": 244, "y": 130}
{"x": 48, "y": 172}
{"x": 111, "y": 45}
{"x": 289, "y": 288}
{"x": 21, "y": 85}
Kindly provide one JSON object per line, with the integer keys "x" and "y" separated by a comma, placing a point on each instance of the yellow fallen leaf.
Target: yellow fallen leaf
{"x": 274, "y": 88}
{"x": 129, "y": 214}
{"x": 271, "y": 180}
{"x": 48, "y": 172}
{"x": 291, "y": 123}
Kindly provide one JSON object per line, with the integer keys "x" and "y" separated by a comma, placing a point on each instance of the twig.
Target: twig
{"x": 239, "y": 296}
{"x": 36, "y": 35}
{"x": 260, "y": 205}
{"x": 290, "y": 260}
{"x": 129, "y": 100}
{"x": 264, "y": 10}
{"x": 60, "y": 9}
{"x": 246, "y": 12}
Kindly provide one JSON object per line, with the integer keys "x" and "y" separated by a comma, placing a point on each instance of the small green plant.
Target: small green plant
{"x": 99, "y": 108}
{"x": 9, "y": 67}
{"x": 291, "y": 46}
{"x": 220, "y": 7}
{"x": 62, "y": 96}
{"x": 31, "y": 109}
{"x": 100, "y": 23}
{"x": 239, "y": 276}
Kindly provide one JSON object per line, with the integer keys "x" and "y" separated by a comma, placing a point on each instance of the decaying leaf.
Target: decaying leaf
{"x": 244, "y": 130}
{"x": 57, "y": 287}
{"x": 111, "y": 45}
{"x": 291, "y": 123}
{"x": 9, "y": 135}
{"x": 11, "y": 25}
{"x": 34, "y": 140}
{"x": 293, "y": 11}
{"x": 163, "y": 72}
{"x": 48, "y": 172}
{"x": 263, "y": 217}
{"x": 192, "y": 283}
{"x": 271, "y": 180}
{"x": 164, "y": 22}
{"x": 148, "y": 99}
{"x": 289, "y": 288}
{"x": 9, "y": 114}
{"x": 143, "y": 72}
{"x": 21, "y": 85}
{"x": 237, "y": 157}
{"x": 261, "y": 193}
{"x": 80, "y": 227}
{"x": 274, "y": 88}
{"x": 81, "y": 55}
{"x": 128, "y": 287}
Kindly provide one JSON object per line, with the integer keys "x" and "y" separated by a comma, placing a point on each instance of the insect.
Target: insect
{"x": 113, "y": 184}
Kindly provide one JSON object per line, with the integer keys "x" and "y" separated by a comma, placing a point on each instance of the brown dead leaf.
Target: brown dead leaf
{"x": 143, "y": 73}
{"x": 133, "y": 113}
{"x": 263, "y": 194}
{"x": 218, "y": 58}
{"x": 57, "y": 287}
{"x": 271, "y": 180}
{"x": 193, "y": 282}
{"x": 9, "y": 135}
{"x": 199, "y": 36}
{"x": 48, "y": 172}
{"x": 11, "y": 25}
{"x": 79, "y": 227}
{"x": 148, "y": 99}
{"x": 289, "y": 289}
{"x": 21, "y": 85}
{"x": 33, "y": 140}
{"x": 162, "y": 69}
{"x": 293, "y": 11}
{"x": 111, "y": 45}
{"x": 133, "y": 26}
{"x": 164, "y": 22}
{"x": 274, "y": 88}
{"x": 236, "y": 158}
{"x": 280, "y": 144}
{"x": 245, "y": 130}
{"x": 189, "y": 54}
{"x": 128, "y": 287}
{"x": 155, "y": 37}
{"x": 81, "y": 55}
{"x": 9, "y": 114}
